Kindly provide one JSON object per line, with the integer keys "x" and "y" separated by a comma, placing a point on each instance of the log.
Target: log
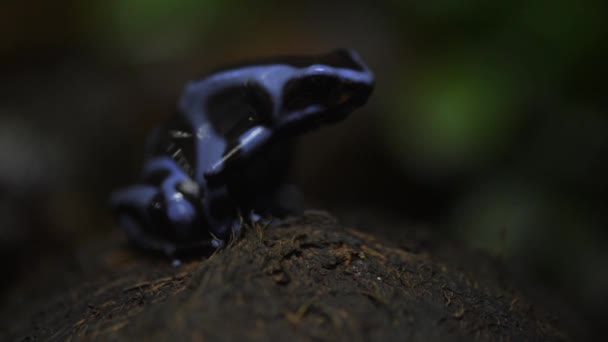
{"x": 306, "y": 278}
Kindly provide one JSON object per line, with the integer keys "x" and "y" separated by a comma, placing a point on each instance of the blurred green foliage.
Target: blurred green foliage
{"x": 156, "y": 29}
{"x": 458, "y": 112}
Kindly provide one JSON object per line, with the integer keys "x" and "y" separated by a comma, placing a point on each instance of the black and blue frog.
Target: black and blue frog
{"x": 224, "y": 155}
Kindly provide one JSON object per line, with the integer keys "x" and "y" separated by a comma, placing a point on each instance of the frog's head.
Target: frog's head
{"x": 273, "y": 100}
{"x": 326, "y": 91}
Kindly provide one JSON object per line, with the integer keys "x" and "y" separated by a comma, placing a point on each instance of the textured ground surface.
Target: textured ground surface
{"x": 308, "y": 278}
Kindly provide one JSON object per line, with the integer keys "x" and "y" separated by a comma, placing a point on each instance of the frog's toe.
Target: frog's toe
{"x": 255, "y": 218}
{"x": 235, "y": 227}
{"x": 218, "y": 243}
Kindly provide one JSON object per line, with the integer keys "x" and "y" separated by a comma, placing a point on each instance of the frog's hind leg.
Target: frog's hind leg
{"x": 287, "y": 200}
{"x": 132, "y": 206}
{"x": 282, "y": 201}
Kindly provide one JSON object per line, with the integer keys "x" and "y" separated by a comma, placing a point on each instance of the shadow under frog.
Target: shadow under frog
{"x": 223, "y": 157}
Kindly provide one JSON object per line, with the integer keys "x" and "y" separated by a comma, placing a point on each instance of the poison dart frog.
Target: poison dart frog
{"x": 226, "y": 151}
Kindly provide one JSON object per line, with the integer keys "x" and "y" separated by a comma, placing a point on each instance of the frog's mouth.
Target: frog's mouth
{"x": 352, "y": 96}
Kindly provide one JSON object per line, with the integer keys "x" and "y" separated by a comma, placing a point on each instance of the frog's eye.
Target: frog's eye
{"x": 312, "y": 90}
{"x": 235, "y": 110}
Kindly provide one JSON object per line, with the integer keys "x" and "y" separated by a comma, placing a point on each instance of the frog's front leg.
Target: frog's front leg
{"x": 160, "y": 214}
{"x": 180, "y": 194}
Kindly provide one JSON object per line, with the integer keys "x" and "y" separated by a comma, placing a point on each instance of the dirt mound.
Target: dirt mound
{"x": 307, "y": 278}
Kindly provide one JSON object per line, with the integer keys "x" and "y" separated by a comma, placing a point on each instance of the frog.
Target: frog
{"x": 221, "y": 159}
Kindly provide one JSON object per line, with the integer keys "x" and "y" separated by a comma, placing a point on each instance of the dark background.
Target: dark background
{"x": 488, "y": 124}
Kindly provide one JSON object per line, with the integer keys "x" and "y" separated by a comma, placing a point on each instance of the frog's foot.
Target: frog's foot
{"x": 258, "y": 219}
{"x": 217, "y": 243}
{"x": 229, "y": 232}
{"x": 255, "y": 218}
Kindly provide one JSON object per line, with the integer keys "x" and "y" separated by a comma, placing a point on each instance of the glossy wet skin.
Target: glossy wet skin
{"x": 222, "y": 156}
